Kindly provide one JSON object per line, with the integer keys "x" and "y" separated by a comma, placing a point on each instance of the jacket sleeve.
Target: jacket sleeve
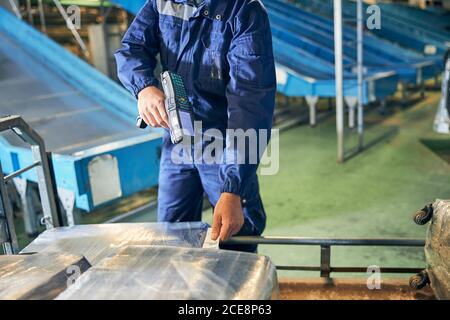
{"x": 250, "y": 96}
{"x": 136, "y": 59}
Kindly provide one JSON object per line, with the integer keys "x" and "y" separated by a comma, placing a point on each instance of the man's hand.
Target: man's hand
{"x": 151, "y": 107}
{"x": 228, "y": 217}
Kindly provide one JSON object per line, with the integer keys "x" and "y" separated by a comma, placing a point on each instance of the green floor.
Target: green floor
{"x": 372, "y": 195}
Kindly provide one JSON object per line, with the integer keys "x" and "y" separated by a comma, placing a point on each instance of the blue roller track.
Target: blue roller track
{"x": 79, "y": 112}
{"x": 438, "y": 23}
{"x": 316, "y": 34}
{"x": 393, "y": 29}
{"x": 300, "y": 73}
{"x": 439, "y": 12}
{"x": 323, "y": 27}
{"x": 428, "y": 34}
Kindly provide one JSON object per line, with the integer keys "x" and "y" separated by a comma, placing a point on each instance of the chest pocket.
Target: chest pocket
{"x": 214, "y": 70}
{"x": 170, "y": 38}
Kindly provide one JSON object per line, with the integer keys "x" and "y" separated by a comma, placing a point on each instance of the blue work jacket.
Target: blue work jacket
{"x": 223, "y": 51}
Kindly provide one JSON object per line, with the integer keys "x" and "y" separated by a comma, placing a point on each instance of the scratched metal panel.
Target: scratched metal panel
{"x": 66, "y": 118}
{"x": 96, "y": 242}
{"x": 37, "y": 277}
{"x": 169, "y": 273}
{"x": 437, "y": 249}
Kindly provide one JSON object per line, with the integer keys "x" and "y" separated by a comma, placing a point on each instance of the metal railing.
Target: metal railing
{"x": 51, "y": 219}
{"x": 325, "y": 245}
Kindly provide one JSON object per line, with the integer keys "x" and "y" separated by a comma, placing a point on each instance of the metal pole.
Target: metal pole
{"x": 305, "y": 241}
{"x": 360, "y": 70}
{"x": 339, "y": 79}
{"x": 46, "y": 191}
{"x": 23, "y": 170}
{"x": 29, "y": 12}
{"x": 325, "y": 261}
{"x": 8, "y": 237}
{"x": 16, "y": 9}
{"x": 42, "y": 16}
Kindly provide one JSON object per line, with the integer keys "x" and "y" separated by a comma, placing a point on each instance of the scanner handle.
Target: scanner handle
{"x": 140, "y": 123}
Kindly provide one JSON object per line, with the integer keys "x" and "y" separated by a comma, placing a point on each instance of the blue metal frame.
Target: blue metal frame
{"x": 315, "y": 34}
{"x": 137, "y": 156}
{"x": 431, "y": 26}
{"x": 426, "y": 20}
{"x": 394, "y": 29}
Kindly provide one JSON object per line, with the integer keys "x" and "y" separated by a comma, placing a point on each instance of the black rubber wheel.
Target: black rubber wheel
{"x": 423, "y": 216}
{"x": 419, "y": 281}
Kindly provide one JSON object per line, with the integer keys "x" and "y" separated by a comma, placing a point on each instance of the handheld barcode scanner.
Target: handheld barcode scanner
{"x": 178, "y": 108}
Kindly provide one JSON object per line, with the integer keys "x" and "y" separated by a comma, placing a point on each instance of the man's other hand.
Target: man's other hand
{"x": 228, "y": 217}
{"x": 151, "y": 107}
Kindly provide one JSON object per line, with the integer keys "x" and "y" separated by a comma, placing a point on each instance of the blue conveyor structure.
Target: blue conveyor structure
{"x": 438, "y": 21}
{"x": 302, "y": 73}
{"x": 86, "y": 120}
{"x": 395, "y": 28}
{"x": 316, "y": 34}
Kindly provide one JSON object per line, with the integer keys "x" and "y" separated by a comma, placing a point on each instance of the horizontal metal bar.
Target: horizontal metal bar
{"x": 305, "y": 241}
{"x": 350, "y": 269}
{"x": 19, "y": 172}
{"x": 298, "y": 268}
{"x": 22, "y": 129}
{"x": 382, "y": 270}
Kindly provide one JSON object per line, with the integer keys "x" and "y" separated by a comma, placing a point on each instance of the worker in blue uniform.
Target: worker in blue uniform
{"x": 222, "y": 49}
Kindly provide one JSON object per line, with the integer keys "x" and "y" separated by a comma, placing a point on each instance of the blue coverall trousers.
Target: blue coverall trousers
{"x": 181, "y": 192}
